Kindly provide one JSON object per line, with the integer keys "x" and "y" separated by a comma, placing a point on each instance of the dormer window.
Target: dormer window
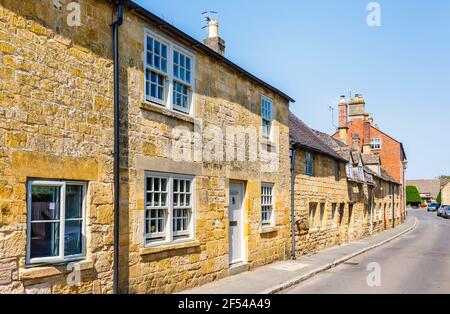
{"x": 349, "y": 169}
{"x": 361, "y": 172}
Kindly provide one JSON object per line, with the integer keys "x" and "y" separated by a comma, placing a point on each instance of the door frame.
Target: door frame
{"x": 243, "y": 243}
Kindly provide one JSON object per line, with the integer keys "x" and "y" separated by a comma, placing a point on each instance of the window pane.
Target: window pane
{"x": 74, "y": 201}
{"x": 182, "y": 60}
{"x": 182, "y": 74}
{"x": 149, "y": 44}
{"x": 150, "y": 58}
{"x": 188, "y": 63}
{"x": 188, "y": 76}
{"x": 45, "y": 202}
{"x": 44, "y": 239}
{"x": 73, "y": 237}
{"x": 163, "y": 199}
{"x": 153, "y": 90}
{"x": 149, "y": 184}
{"x": 188, "y": 199}
{"x": 188, "y": 186}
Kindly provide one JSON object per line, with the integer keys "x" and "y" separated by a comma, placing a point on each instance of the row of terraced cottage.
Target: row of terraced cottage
{"x": 208, "y": 155}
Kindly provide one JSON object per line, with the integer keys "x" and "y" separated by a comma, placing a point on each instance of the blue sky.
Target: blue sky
{"x": 316, "y": 51}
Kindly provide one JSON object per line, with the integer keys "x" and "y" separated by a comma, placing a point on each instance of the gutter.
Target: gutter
{"x": 115, "y": 26}
{"x": 294, "y": 150}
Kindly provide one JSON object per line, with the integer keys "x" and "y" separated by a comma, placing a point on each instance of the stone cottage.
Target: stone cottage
{"x": 340, "y": 193}
{"x": 207, "y": 166}
{"x": 204, "y": 164}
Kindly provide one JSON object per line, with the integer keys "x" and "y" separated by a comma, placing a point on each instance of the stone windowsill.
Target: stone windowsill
{"x": 169, "y": 247}
{"x": 50, "y": 271}
{"x": 268, "y": 142}
{"x": 266, "y": 230}
{"x": 146, "y": 105}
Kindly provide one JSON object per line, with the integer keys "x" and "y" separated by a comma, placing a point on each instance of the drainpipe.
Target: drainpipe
{"x": 393, "y": 205}
{"x": 371, "y": 210}
{"x": 294, "y": 150}
{"x": 115, "y": 26}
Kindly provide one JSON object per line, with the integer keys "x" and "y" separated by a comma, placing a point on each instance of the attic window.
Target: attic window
{"x": 361, "y": 172}
{"x": 375, "y": 143}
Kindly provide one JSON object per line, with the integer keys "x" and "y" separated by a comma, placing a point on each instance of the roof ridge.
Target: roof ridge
{"x": 314, "y": 142}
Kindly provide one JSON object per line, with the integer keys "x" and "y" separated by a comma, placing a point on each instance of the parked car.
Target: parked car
{"x": 433, "y": 207}
{"x": 446, "y": 213}
{"x": 440, "y": 211}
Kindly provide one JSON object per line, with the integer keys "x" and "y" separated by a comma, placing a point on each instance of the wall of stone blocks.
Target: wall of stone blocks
{"x": 353, "y": 218}
{"x": 322, "y": 188}
{"x": 55, "y": 123}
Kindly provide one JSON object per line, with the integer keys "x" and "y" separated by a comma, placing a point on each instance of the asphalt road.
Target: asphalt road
{"x": 418, "y": 262}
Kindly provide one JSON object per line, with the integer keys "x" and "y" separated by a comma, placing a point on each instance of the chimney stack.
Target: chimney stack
{"x": 343, "y": 119}
{"x": 214, "y": 41}
{"x": 366, "y": 135}
{"x": 357, "y": 108}
{"x": 356, "y": 142}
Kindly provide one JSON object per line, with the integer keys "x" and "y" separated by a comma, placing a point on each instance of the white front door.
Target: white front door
{"x": 236, "y": 221}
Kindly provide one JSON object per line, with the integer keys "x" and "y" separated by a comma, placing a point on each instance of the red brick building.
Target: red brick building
{"x": 354, "y": 122}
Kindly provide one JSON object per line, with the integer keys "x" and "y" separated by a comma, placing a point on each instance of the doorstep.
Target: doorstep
{"x": 238, "y": 268}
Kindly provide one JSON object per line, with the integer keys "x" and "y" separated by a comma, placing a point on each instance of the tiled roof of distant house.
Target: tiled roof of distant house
{"x": 340, "y": 148}
{"x": 432, "y": 187}
{"x": 304, "y": 136}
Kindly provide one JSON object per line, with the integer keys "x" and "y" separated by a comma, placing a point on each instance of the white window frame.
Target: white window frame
{"x": 349, "y": 168}
{"x": 167, "y": 103}
{"x": 375, "y": 143}
{"x": 61, "y": 258}
{"x": 361, "y": 172}
{"x": 169, "y": 235}
{"x": 265, "y": 119}
{"x": 268, "y": 223}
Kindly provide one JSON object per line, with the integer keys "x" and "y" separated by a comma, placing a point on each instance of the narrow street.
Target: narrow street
{"x": 418, "y": 262}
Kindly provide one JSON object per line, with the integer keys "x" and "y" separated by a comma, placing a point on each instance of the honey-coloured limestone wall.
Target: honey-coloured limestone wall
{"x": 56, "y": 123}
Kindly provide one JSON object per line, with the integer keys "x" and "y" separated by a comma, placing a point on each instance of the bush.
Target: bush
{"x": 439, "y": 198}
{"x": 413, "y": 195}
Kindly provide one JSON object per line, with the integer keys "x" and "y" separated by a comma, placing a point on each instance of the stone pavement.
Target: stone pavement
{"x": 281, "y": 275}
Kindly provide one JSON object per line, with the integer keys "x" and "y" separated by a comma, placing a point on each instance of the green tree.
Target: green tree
{"x": 413, "y": 195}
{"x": 439, "y": 198}
{"x": 444, "y": 177}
